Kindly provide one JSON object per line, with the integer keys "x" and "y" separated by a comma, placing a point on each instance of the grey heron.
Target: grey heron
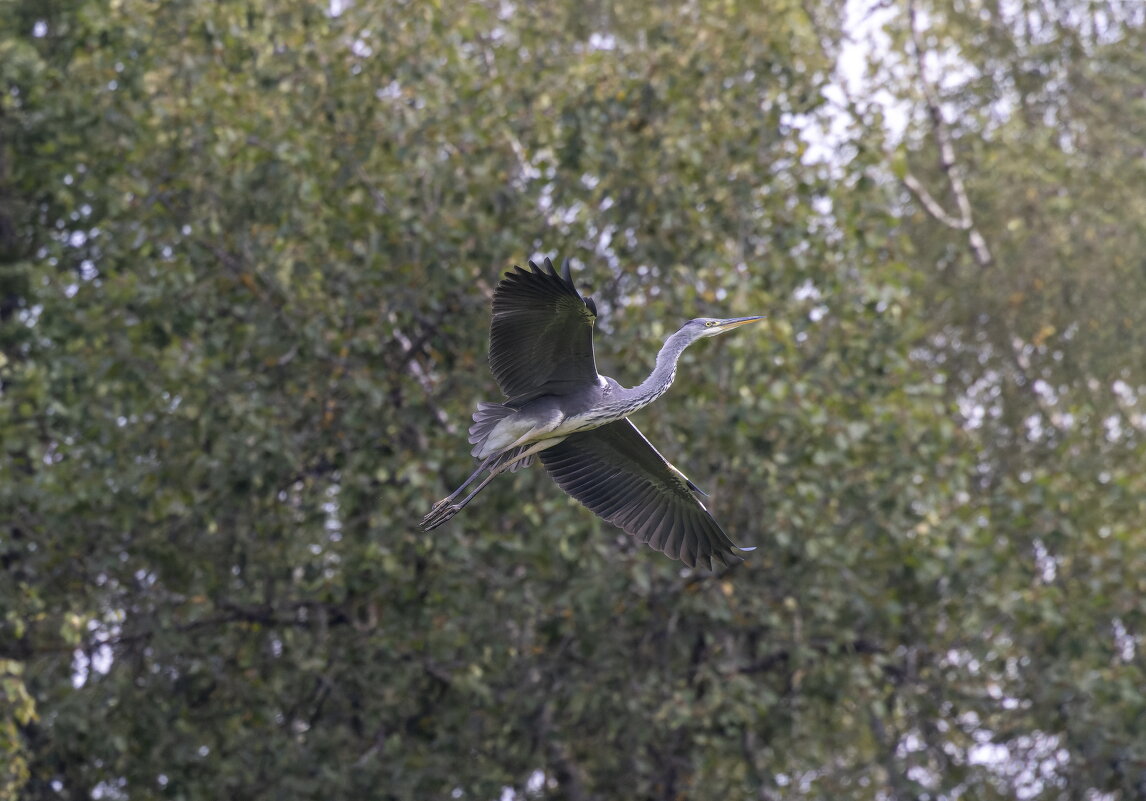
{"x": 560, "y": 409}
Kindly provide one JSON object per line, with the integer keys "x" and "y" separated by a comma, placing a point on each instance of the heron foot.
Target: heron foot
{"x": 443, "y": 510}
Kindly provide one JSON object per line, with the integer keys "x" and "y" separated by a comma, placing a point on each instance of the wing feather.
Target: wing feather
{"x": 620, "y": 476}
{"x": 541, "y": 335}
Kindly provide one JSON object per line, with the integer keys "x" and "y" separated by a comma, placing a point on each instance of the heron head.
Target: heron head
{"x": 711, "y": 326}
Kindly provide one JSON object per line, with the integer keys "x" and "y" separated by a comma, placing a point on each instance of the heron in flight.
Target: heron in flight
{"x": 560, "y": 409}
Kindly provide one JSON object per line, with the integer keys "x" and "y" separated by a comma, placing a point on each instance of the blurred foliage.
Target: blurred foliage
{"x": 246, "y": 253}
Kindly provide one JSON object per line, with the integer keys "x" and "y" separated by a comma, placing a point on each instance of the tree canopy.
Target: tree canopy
{"x": 246, "y": 255}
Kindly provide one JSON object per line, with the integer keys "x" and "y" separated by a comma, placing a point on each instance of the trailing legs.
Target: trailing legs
{"x": 444, "y": 509}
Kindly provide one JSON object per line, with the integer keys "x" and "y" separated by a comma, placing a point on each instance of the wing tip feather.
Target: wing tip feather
{"x": 547, "y": 270}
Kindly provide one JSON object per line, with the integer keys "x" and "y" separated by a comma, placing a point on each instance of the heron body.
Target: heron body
{"x": 560, "y": 409}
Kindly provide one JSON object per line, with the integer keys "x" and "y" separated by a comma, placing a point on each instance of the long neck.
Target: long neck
{"x": 660, "y": 379}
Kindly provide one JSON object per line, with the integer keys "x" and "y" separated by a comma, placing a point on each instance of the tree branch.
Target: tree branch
{"x": 931, "y": 204}
{"x": 783, "y": 655}
{"x": 947, "y": 162}
{"x": 286, "y": 615}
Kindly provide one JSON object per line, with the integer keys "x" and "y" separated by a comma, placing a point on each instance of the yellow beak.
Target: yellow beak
{"x": 734, "y": 322}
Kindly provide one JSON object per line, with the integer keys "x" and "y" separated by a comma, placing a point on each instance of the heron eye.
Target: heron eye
{"x": 708, "y": 324}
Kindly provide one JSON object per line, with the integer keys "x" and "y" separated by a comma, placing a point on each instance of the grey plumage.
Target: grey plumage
{"x": 615, "y": 472}
{"x": 560, "y": 409}
{"x": 541, "y": 335}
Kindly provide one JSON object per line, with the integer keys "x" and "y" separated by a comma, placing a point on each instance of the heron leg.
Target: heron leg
{"x": 532, "y": 449}
{"x": 440, "y": 514}
{"x": 444, "y": 509}
{"x": 485, "y": 463}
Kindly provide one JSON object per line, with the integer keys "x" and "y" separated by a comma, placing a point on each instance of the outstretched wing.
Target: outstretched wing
{"x": 620, "y": 476}
{"x": 541, "y": 337}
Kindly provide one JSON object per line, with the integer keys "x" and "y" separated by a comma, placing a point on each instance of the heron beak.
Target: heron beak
{"x": 735, "y": 322}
